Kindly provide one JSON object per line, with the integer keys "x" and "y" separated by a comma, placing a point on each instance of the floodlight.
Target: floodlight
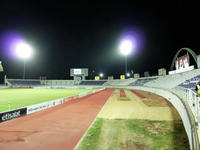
{"x": 126, "y": 47}
{"x": 128, "y": 74}
{"x": 101, "y": 75}
{"x": 23, "y": 50}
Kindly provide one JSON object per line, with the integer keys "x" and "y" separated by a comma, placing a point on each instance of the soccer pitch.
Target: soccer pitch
{"x": 18, "y": 98}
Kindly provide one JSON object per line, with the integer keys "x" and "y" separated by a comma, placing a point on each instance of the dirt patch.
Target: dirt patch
{"x": 153, "y": 100}
{"x": 120, "y": 134}
{"x": 124, "y": 99}
{"x": 131, "y": 145}
{"x": 155, "y": 128}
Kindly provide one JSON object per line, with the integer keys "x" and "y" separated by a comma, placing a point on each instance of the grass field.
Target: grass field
{"x": 24, "y": 97}
{"x": 134, "y": 134}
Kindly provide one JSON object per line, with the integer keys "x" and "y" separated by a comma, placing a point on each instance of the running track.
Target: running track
{"x": 58, "y": 128}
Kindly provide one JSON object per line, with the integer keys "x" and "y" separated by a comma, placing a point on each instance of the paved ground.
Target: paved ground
{"x": 58, "y": 128}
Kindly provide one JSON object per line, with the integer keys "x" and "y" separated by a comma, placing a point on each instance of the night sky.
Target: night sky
{"x": 87, "y": 35}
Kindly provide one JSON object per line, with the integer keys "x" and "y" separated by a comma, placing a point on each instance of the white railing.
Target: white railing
{"x": 194, "y": 102}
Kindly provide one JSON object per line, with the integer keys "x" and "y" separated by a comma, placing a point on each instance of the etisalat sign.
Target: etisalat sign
{"x": 12, "y": 114}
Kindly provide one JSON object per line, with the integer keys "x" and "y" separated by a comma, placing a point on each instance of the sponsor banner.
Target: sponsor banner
{"x": 83, "y": 94}
{"x": 45, "y": 105}
{"x": 37, "y": 107}
{"x": 55, "y": 102}
{"x": 70, "y": 98}
{"x": 63, "y": 87}
{"x": 4, "y": 116}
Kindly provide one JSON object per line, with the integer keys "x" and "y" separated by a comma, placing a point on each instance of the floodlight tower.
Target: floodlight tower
{"x": 126, "y": 47}
{"x": 23, "y": 51}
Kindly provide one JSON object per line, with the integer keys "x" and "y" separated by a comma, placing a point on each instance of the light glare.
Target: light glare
{"x": 128, "y": 74}
{"x": 126, "y": 47}
{"x": 101, "y": 75}
{"x": 23, "y": 50}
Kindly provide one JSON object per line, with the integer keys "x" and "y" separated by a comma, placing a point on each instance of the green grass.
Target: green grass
{"x": 91, "y": 139}
{"x": 24, "y": 97}
{"x": 162, "y": 134}
{"x": 110, "y": 134}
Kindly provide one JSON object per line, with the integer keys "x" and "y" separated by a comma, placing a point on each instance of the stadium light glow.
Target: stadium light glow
{"x": 23, "y": 50}
{"x": 101, "y": 75}
{"x": 128, "y": 74}
{"x": 126, "y": 47}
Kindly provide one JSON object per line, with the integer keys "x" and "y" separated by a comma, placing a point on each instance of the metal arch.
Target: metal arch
{"x": 188, "y": 50}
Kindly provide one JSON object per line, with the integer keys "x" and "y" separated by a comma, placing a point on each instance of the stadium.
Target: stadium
{"x": 152, "y": 112}
{"x": 95, "y": 75}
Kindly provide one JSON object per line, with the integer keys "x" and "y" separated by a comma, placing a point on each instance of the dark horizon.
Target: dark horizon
{"x": 87, "y": 35}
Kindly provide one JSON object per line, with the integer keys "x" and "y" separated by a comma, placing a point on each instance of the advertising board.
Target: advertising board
{"x": 8, "y": 115}
{"x": 37, "y": 107}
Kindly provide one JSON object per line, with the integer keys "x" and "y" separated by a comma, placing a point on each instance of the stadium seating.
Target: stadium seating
{"x": 171, "y": 81}
{"x": 57, "y": 82}
{"x": 191, "y": 83}
{"x": 24, "y": 82}
{"x": 92, "y": 82}
{"x": 119, "y": 82}
{"x": 141, "y": 82}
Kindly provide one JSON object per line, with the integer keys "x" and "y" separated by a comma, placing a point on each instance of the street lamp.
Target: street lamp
{"x": 23, "y": 51}
{"x": 126, "y": 47}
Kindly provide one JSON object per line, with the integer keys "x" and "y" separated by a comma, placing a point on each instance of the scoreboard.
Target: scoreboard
{"x": 79, "y": 72}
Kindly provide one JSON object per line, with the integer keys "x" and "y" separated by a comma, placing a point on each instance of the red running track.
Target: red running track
{"x": 138, "y": 94}
{"x": 122, "y": 94}
{"x": 57, "y": 128}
